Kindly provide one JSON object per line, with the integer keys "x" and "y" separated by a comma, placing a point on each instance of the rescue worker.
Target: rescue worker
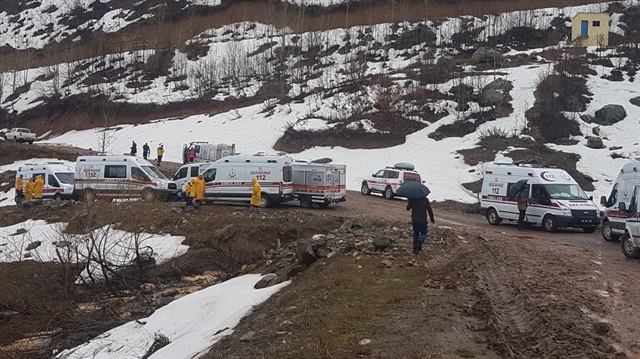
{"x": 38, "y": 187}
{"x": 200, "y": 186}
{"x": 19, "y": 189}
{"x": 160, "y": 153}
{"x": 256, "y": 196}
{"x": 191, "y": 154}
{"x": 190, "y": 192}
{"x": 134, "y": 148}
{"x": 29, "y": 189}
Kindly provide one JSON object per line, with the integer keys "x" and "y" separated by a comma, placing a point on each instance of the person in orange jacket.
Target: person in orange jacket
{"x": 19, "y": 189}
{"x": 200, "y": 186}
{"x": 29, "y": 189}
{"x": 38, "y": 188}
{"x": 256, "y": 196}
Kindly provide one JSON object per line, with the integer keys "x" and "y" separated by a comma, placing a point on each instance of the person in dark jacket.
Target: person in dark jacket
{"x": 419, "y": 209}
{"x": 134, "y": 148}
{"x": 146, "y": 151}
{"x": 523, "y": 204}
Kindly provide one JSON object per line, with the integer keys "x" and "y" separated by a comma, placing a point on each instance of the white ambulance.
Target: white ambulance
{"x": 319, "y": 183}
{"x": 186, "y": 172}
{"x": 229, "y": 178}
{"x": 120, "y": 177}
{"x": 558, "y": 200}
{"x": 613, "y": 222}
{"x": 57, "y": 176}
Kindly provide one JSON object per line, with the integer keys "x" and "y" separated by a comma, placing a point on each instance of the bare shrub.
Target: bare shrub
{"x": 492, "y": 131}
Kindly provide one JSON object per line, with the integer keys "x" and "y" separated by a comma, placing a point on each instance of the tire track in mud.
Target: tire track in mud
{"x": 533, "y": 311}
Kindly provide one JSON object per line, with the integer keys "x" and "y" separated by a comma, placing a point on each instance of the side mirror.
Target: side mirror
{"x": 373, "y": 175}
{"x": 603, "y": 200}
{"x": 622, "y": 207}
{"x": 590, "y": 198}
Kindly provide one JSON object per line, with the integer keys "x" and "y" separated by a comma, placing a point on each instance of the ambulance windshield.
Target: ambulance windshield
{"x": 565, "y": 191}
{"x": 153, "y": 172}
{"x": 65, "y": 177}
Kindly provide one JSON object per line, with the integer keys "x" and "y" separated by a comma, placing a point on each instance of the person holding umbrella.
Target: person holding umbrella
{"x": 419, "y": 205}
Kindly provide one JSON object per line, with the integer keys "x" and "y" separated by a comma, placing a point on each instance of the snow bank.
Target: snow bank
{"x": 192, "y": 324}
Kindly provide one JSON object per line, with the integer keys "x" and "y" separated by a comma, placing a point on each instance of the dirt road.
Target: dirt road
{"x": 547, "y": 295}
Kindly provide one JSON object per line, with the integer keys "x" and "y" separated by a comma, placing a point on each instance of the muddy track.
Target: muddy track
{"x": 540, "y": 317}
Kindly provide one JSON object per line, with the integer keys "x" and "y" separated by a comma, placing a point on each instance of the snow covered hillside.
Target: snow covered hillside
{"x": 368, "y": 96}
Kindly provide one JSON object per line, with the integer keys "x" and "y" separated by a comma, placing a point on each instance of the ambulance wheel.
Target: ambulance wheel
{"x": 388, "y": 193}
{"x": 549, "y": 223}
{"x": 264, "y": 201}
{"x": 89, "y": 195}
{"x": 148, "y": 195}
{"x": 305, "y": 201}
{"x": 57, "y": 198}
{"x": 607, "y": 233}
{"x": 589, "y": 229}
{"x": 365, "y": 189}
{"x": 628, "y": 249}
{"x": 493, "y": 218}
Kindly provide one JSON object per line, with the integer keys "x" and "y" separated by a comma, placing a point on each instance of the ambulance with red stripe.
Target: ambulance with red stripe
{"x": 229, "y": 178}
{"x": 57, "y": 176}
{"x": 615, "y": 217}
{"x": 556, "y": 198}
{"x": 321, "y": 184}
{"x": 387, "y": 180}
{"x": 121, "y": 177}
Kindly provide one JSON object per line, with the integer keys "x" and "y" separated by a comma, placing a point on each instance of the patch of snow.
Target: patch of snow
{"x": 366, "y": 125}
{"x": 192, "y": 323}
{"x": 312, "y": 124}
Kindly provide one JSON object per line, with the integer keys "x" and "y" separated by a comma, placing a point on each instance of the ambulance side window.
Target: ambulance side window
{"x": 209, "y": 175}
{"x": 138, "y": 175}
{"x": 35, "y": 176}
{"x": 613, "y": 197}
{"x": 52, "y": 181}
{"x": 540, "y": 194}
{"x": 115, "y": 171}
{"x": 195, "y": 171}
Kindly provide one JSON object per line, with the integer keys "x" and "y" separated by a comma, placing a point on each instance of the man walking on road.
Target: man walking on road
{"x": 419, "y": 208}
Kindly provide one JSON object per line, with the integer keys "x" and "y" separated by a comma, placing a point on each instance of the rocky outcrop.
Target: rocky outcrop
{"x": 610, "y": 114}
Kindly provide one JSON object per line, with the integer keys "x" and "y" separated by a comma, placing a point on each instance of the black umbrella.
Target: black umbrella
{"x": 516, "y": 188}
{"x": 412, "y": 189}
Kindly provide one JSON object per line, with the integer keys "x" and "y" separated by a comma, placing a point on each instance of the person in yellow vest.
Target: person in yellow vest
{"x": 160, "y": 153}
{"x": 256, "y": 196}
{"x": 190, "y": 192}
{"x": 29, "y": 189}
{"x": 200, "y": 186}
{"x": 19, "y": 189}
{"x": 38, "y": 187}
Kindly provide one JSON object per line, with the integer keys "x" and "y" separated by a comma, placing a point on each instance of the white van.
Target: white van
{"x": 186, "y": 172}
{"x": 613, "y": 222}
{"x": 558, "y": 199}
{"x": 120, "y": 176}
{"x": 229, "y": 178}
{"x": 319, "y": 183}
{"x": 57, "y": 176}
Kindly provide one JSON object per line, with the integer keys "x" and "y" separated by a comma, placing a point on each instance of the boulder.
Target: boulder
{"x": 635, "y": 101}
{"x": 484, "y": 55}
{"x": 20, "y": 231}
{"x": 266, "y": 281}
{"x": 33, "y": 245}
{"x": 492, "y": 98}
{"x": 446, "y": 63}
{"x": 225, "y": 233}
{"x": 596, "y": 131}
{"x": 346, "y": 225}
{"x": 381, "y": 244}
{"x": 594, "y": 142}
{"x": 499, "y": 85}
{"x": 248, "y": 336}
{"x": 295, "y": 270}
{"x": 610, "y": 114}
{"x": 615, "y": 148}
{"x": 306, "y": 253}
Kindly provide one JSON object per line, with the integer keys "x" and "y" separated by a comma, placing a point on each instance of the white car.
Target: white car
{"x": 20, "y": 135}
{"x": 387, "y": 180}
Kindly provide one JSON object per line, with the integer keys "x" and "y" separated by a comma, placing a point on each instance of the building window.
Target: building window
{"x": 596, "y": 24}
